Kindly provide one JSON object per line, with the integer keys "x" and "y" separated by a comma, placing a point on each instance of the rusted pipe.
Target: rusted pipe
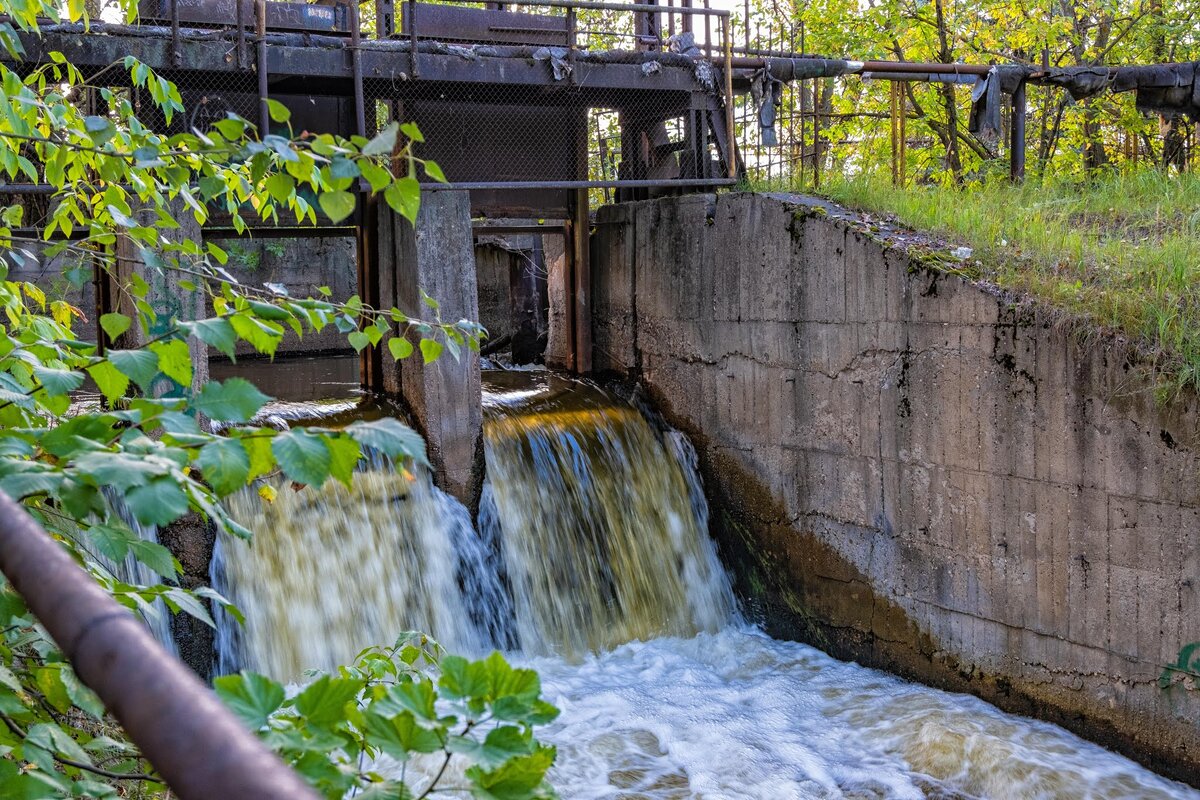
{"x": 194, "y": 742}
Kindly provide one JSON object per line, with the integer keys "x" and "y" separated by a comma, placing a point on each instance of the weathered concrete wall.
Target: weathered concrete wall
{"x": 914, "y": 471}
{"x": 300, "y": 265}
{"x": 436, "y": 255}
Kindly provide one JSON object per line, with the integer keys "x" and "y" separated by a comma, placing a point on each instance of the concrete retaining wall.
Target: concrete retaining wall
{"x": 911, "y": 470}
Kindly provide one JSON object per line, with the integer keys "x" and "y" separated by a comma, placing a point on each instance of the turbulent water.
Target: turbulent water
{"x": 592, "y": 564}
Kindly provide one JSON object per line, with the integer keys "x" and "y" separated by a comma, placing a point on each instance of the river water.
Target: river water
{"x": 592, "y": 564}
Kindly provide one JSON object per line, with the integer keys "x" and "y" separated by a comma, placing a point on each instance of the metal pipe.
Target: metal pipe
{"x": 194, "y": 742}
{"x": 639, "y": 184}
{"x": 600, "y": 5}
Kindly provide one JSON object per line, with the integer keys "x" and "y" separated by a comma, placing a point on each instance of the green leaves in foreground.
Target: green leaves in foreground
{"x": 404, "y": 701}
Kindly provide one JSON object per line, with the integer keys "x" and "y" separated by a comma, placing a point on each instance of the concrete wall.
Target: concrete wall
{"x": 301, "y": 265}
{"x": 912, "y": 470}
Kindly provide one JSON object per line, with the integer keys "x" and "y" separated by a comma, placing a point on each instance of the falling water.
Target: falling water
{"x": 591, "y": 563}
{"x": 603, "y": 540}
{"x": 333, "y": 571}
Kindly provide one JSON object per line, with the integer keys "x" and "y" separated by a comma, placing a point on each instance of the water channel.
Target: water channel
{"x": 591, "y": 562}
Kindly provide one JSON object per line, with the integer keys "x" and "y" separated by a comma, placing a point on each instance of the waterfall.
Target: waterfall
{"x": 603, "y": 532}
{"x": 332, "y": 571}
{"x": 592, "y": 532}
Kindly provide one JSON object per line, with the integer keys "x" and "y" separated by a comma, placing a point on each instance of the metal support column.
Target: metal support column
{"x": 1017, "y": 144}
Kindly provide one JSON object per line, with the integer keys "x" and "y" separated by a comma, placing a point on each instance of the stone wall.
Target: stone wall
{"x": 915, "y": 471}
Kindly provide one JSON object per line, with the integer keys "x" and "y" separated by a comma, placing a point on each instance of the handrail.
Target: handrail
{"x": 194, "y": 742}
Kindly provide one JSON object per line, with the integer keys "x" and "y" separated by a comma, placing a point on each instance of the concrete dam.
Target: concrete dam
{"x": 796, "y": 431}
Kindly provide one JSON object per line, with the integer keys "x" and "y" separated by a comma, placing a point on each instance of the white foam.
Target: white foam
{"x": 739, "y": 715}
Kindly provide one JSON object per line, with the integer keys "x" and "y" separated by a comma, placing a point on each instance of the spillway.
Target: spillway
{"x": 591, "y": 562}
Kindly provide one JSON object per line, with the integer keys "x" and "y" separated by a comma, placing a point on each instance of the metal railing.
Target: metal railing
{"x": 193, "y": 741}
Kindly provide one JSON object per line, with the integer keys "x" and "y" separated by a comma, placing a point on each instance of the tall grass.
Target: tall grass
{"x": 1123, "y": 250}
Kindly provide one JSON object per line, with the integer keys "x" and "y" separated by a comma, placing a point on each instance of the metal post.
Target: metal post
{"x": 241, "y": 34}
{"x": 816, "y": 134}
{"x": 1017, "y": 144}
{"x": 360, "y": 103}
{"x": 175, "y": 56}
{"x": 194, "y": 742}
{"x": 729, "y": 132}
{"x": 264, "y": 115}
{"x": 582, "y": 276}
{"x": 572, "y": 37}
{"x": 412, "y": 36}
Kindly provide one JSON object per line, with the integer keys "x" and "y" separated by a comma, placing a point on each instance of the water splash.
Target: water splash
{"x": 737, "y": 715}
{"x": 332, "y": 571}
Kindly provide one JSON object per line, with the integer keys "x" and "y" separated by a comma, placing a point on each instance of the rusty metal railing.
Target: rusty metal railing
{"x": 196, "y": 744}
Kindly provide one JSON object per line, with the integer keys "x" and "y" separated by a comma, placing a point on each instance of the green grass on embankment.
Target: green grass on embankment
{"x": 1122, "y": 250}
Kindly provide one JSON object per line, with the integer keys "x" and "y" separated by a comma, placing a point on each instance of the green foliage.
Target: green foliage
{"x": 1065, "y": 137}
{"x": 143, "y": 451}
{"x": 1122, "y": 250}
{"x": 406, "y": 702}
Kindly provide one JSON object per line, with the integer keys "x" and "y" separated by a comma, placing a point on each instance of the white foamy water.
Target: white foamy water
{"x": 737, "y": 715}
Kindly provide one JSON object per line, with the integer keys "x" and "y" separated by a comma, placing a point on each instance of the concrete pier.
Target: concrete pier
{"x": 436, "y": 255}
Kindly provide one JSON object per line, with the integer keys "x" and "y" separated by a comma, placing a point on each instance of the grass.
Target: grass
{"x": 1122, "y": 250}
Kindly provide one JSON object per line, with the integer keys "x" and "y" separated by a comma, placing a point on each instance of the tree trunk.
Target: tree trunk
{"x": 946, "y": 55}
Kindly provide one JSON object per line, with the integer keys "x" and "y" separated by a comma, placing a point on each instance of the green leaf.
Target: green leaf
{"x": 155, "y": 556}
{"x": 140, "y": 365}
{"x": 400, "y": 347}
{"x": 376, "y": 175}
{"x": 251, "y": 696}
{"x": 430, "y": 350}
{"x": 263, "y": 335}
{"x": 159, "y": 502}
{"x": 114, "y": 324}
{"x": 278, "y": 111}
{"x": 390, "y": 437}
{"x": 383, "y": 143}
{"x": 54, "y": 739}
{"x": 416, "y": 696}
{"x": 337, "y": 205}
{"x": 234, "y": 400}
{"x": 401, "y": 735}
{"x": 500, "y": 745}
{"x": 110, "y": 541}
{"x": 516, "y": 779}
{"x": 464, "y": 679}
{"x": 280, "y": 186}
{"x": 225, "y": 465}
{"x": 358, "y": 340}
{"x": 215, "y": 332}
{"x": 411, "y": 130}
{"x": 344, "y": 453}
{"x": 404, "y": 197}
{"x": 303, "y": 457}
{"x": 325, "y": 699}
{"x": 174, "y": 360}
{"x": 190, "y": 604}
{"x": 49, "y": 682}
{"x": 434, "y": 171}
{"x": 58, "y": 381}
{"x": 111, "y": 382}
